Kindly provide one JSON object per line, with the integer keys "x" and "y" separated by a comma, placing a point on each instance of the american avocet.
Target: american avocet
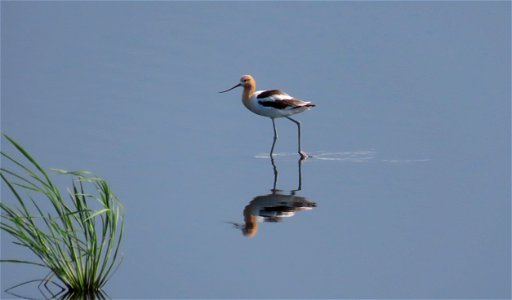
{"x": 272, "y": 104}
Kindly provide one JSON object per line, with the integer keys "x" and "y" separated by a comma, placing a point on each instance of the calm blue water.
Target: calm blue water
{"x": 410, "y": 143}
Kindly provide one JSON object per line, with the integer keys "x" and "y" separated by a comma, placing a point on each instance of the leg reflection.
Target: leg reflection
{"x": 273, "y": 207}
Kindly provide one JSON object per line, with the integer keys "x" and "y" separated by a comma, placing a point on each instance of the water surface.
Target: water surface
{"x": 410, "y": 142}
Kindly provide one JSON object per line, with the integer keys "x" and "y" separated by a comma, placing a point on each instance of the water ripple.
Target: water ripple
{"x": 358, "y": 156}
{"x": 346, "y": 156}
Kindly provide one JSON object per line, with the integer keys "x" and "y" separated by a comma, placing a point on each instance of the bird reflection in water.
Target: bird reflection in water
{"x": 273, "y": 207}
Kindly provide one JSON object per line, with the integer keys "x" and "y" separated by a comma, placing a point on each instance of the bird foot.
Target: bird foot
{"x": 303, "y": 155}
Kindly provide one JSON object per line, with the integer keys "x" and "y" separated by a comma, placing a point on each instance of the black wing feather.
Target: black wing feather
{"x": 270, "y": 93}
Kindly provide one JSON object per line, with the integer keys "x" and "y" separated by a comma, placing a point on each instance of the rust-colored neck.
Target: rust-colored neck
{"x": 248, "y": 92}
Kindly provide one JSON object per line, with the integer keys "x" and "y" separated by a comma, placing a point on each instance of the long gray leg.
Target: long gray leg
{"x": 302, "y": 154}
{"x": 275, "y": 137}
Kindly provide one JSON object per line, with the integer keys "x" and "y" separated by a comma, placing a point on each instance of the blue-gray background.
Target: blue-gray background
{"x": 411, "y": 138}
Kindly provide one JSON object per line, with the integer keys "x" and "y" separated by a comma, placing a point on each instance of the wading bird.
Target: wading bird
{"x": 272, "y": 104}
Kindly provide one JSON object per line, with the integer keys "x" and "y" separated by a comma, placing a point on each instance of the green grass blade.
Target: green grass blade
{"x": 80, "y": 245}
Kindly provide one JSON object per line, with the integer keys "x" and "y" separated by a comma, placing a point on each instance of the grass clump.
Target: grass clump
{"x": 76, "y": 236}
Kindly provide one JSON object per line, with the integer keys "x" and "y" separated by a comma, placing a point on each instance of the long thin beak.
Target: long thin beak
{"x": 231, "y": 88}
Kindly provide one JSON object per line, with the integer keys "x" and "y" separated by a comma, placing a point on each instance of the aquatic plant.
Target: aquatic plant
{"x": 77, "y": 236}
